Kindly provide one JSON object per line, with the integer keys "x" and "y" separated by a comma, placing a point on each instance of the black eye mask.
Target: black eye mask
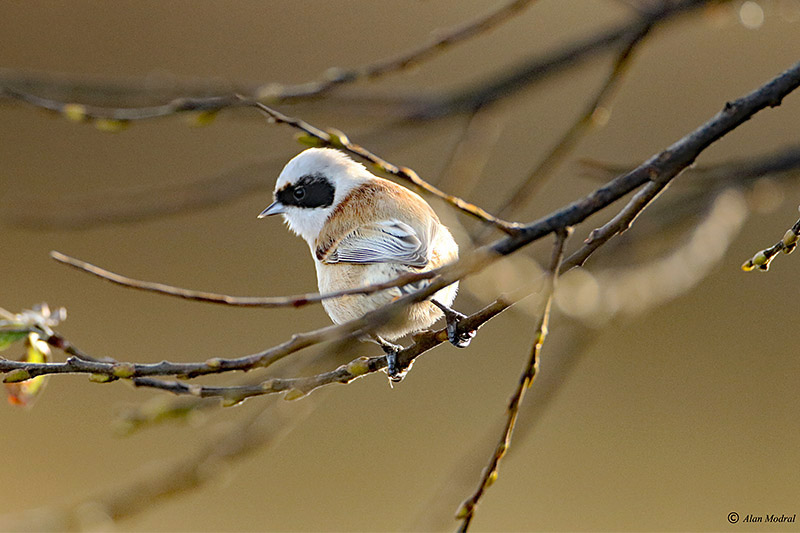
{"x": 309, "y": 191}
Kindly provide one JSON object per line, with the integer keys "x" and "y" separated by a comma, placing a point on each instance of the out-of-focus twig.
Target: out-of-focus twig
{"x": 532, "y": 70}
{"x": 783, "y": 160}
{"x": 254, "y": 433}
{"x": 439, "y": 42}
{"x": 595, "y": 114}
{"x": 333, "y": 77}
{"x": 467, "y": 510}
{"x": 110, "y": 118}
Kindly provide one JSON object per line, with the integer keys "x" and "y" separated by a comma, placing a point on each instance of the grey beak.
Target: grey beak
{"x": 276, "y": 208}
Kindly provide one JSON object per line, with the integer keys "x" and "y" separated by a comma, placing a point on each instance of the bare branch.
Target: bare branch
{"x": 536, "y": 69}
{"x": 660, "y": 168}
{"x": 274, "y": 92}
{"x": 467, "y": 510}
{"x": 437, "y": 44}
{"x": 617, "y": 225}
{"x": 164, "y": 479}
{"x": 787, "y": 244}
{"x": 236, "y": 301}
{"x": 598, "y": 107}
{"x": 337, "y": 139}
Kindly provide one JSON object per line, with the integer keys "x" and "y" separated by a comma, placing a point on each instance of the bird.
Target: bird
{"x": 362, "y": 230}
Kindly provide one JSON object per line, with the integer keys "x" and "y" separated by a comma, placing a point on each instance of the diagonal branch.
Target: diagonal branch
{"x": 467, "y": 510}
{"x": 763, "y": 258}
{"x": 589, "y": 119}
{"x": 337, "y": 139}
{"x": 237, "y": 301}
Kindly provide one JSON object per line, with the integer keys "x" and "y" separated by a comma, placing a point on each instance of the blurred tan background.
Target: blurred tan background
{"x": 667, "y": 420}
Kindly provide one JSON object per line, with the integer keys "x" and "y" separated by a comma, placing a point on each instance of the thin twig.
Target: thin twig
{"x": 526, "y": 191}
{"x": 536, "y": 69}
{"x": 14, "y": 84}
{"x": 337, "y": 139}
{"x": 236, "y": 301}
{"x": 763, "y": 258}
{"x": 117, "y": 116}
{"x": 165, "y": 478}
{"x": 617, "y": 225}
{"x": 662, "y": 167}
{"x": 439, "y": 42}
{"x": 467, "y": 509}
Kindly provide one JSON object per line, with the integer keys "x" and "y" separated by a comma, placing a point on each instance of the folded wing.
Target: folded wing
{"x": 389, "y": 241}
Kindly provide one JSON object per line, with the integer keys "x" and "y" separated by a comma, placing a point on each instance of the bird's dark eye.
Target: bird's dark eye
{"x": 299, "y": 193}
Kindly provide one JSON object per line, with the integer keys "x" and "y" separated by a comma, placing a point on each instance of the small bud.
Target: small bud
{"x": 359, "y": 367}
{"x": 338, "y": 138}
{"x": 338, "y": 75}
{"x": 214, "y": 363}
{"x": 789, "y": 239}
{"x": 195, "y": 390}
{"x": 748, "y": 265}
{"x": 464, "y": 510}
{"x": 310, "y": 140}
{"x": 760, "y": 259}
{"x": 202, "y": 118}
{"x": 101, "y": 378}
{"x": 123, "y": 370}
{"x": 230, "y": 402}
{"x": 17, "y": 375}
{"x": 491, "y": 479}
{"x": 110, "y": 125}
{"x": 74, "y": 112}
{"x": 294, "y": 394}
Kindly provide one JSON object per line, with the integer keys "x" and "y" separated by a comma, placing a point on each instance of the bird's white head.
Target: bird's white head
{"x": 310, "y": 187}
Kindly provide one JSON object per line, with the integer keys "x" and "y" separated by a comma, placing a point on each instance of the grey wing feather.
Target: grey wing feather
{"x": 390, "y": 241}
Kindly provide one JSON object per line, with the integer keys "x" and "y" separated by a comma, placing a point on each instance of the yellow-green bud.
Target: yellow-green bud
{"x": 123, "y": 371}
{"x": 110, "y": 125}
{"x": 17, "y": 375}
{"x": 359, "y": 367}
{"x": 294, "y": 394}
{"x": 760, "y": 259}
{"x": 74, "y": 112}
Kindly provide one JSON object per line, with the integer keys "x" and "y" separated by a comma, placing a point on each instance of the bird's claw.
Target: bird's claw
{"x": 393, "y": 370}
{"x": 455, "y": 334}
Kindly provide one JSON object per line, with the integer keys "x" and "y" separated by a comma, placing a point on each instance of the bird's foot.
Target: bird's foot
{"x": 393, "y": 369}
{"x": 458, "y": 336}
